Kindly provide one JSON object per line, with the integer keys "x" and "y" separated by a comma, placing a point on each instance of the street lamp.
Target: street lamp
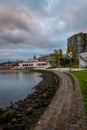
{"x": 70, "y": 57}
{"x": 59, "y": 64}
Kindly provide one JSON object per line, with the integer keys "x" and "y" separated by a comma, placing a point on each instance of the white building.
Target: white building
{"x": 83, "y": 60}
{"x": 34, "y": 63}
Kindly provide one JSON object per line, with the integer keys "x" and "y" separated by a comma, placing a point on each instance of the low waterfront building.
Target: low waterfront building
{"x": 34, "y": 63}
{"x": 7, "y": 64}
{"x": 83, "y": 60}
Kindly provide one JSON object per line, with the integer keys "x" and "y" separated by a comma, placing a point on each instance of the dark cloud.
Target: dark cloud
{"x": 13, "y": 19}
{"x": 41, "y": 24}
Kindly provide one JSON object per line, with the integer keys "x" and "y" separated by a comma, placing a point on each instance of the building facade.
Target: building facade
{"x": 32, "y": 63}
{"x": 77, "y": 43}
{"x": 83, "y": 60}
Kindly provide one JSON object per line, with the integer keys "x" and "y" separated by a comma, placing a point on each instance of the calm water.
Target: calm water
{"x": 16, "y": 86}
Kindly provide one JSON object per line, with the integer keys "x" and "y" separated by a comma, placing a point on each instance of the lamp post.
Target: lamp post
{"x": 70, "y": 57}
{"x": 59, "y": 64}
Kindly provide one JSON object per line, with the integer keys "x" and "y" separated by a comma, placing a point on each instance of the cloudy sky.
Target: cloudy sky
{"x": 29, "y": 27}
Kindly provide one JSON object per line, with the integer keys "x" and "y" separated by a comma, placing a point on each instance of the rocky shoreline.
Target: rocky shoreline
{"x": 24, "y": 114}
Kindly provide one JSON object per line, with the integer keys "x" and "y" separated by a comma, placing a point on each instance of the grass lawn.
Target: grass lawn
{"x": 82, "y": 78}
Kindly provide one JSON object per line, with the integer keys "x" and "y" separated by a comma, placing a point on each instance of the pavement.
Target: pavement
{"x": 66, "y": 110}
{"x": 67, "y": 69}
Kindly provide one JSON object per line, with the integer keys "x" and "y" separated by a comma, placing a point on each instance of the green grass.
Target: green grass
{"x": 82, "y": 78}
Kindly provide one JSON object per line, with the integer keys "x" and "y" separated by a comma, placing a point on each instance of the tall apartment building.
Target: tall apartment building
{"x": 77, "y": 43}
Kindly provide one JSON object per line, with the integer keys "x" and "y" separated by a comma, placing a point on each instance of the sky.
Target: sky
{"x": 29, "y": 27}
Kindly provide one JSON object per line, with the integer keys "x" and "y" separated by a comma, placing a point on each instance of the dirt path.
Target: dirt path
{"x": 66, "y": 111}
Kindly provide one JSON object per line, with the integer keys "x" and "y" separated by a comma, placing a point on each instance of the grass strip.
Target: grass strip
{"x": 82, "y": 78}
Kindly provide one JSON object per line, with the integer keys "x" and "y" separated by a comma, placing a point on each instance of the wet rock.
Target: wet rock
{"x": 15, "y": 106}
{"x": 1, "y": 111}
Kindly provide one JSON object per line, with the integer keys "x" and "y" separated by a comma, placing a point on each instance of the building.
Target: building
{"x": 46, "y": 57}
{"x": 77, "y": 43}
{"x": 34, "y": 63}
{"x": 7, "y": 65}
{"x": 52, "y": 58}
{"x": 83, "y": 60}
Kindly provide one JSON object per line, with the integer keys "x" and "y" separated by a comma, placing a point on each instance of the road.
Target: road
{"x": 66, "y": 111}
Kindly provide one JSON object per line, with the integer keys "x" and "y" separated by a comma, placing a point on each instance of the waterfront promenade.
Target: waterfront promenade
{"x": 66, "y": 111}
{"x": 63, "y": 69}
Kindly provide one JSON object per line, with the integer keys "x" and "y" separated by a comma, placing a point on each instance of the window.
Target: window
{"x": 24, "y": 64}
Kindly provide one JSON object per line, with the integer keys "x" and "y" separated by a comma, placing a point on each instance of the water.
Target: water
{"x": 16, "y": 86}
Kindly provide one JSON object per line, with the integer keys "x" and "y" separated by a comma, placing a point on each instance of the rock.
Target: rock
{"x": 15, "y": 106}
{"x": 1, "y": 110}
{"x": 7, "y": 115}
{"x": 19, "y": 115}
{"x": 29, "y": 110}
{"x": 14, "y": 120}
{"x": 14, "y": 127}
{"x": 1, "y": 128}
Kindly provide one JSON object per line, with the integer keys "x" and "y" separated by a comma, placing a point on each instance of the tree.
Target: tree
{"x": 85, "y": 49}
{"x": 60, "y": 53}
{"x": 56, "y": 56}
{"x": 64, "y": 61}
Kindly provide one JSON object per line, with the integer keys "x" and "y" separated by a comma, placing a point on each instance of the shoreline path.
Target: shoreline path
{"x": 66, "y": 111}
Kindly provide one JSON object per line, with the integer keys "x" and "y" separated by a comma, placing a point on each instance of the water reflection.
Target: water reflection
{"x": 15, "y": 86}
